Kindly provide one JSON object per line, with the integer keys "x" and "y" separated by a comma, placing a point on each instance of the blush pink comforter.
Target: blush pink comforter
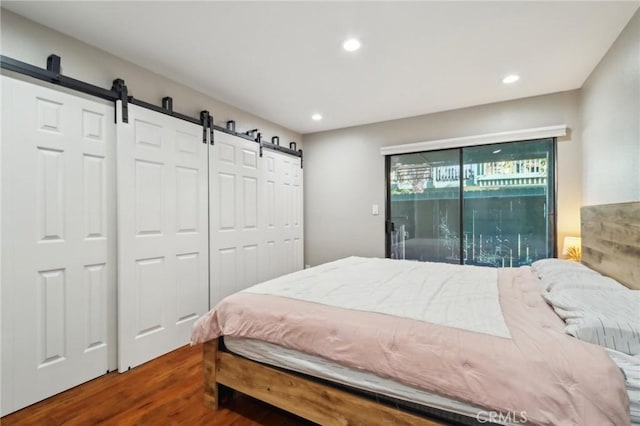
{"x": 540, "y": 374}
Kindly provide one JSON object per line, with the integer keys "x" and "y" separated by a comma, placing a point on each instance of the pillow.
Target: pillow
{"x": 600, "y": 316}
{"x": 546, "y": 268}
{"x": 579, "y": 279}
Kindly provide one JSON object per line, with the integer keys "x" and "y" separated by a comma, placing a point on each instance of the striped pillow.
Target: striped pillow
{"x": 600, "y": 316}
{"x": 585, "y": 280}
{"x": 548, "y": 268}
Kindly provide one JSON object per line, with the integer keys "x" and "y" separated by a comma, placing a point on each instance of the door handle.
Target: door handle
{"x": 389, "y": 227}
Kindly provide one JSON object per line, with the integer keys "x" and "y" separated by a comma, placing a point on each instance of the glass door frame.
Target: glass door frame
{"x": 551, "y": 213}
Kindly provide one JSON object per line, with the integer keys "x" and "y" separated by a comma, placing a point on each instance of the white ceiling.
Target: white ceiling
{"x": 283, "y": 61}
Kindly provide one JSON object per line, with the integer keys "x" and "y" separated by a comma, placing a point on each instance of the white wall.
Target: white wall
{"x": 344, "y": 171}
{"x": 30, "y": 42}
{"x": 610, "y": 109}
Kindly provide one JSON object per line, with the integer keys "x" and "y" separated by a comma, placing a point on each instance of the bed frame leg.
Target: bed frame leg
{"x": 211, "y": 387}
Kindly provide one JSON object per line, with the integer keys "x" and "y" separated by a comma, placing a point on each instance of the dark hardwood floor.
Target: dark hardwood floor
{"x": 165, "y": 391}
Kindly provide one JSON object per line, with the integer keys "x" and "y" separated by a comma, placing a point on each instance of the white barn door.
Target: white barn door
{"x": 255, "y": 215}
{"x": 281, "y": 204}
{"x": 58, "y": 242}
{"x": 162, "y": 234}
{"x": 273, "y": 214}
{"x": 293, "y": 229}
{"x": 235, "y": 219}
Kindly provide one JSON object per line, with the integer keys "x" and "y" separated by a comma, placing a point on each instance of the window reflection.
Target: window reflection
{"x": 506, "y": 195}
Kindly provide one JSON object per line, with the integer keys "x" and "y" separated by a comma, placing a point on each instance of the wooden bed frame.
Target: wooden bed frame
{"x": 307, "y": 398}
{"x": 611, "y": 245}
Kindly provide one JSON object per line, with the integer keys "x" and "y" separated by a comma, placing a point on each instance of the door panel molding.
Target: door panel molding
{"x": 162, "y": 234}
{"x": 58, "y": 242}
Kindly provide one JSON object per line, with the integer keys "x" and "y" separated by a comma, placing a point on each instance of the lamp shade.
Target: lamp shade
{"x": 572, "y": 248}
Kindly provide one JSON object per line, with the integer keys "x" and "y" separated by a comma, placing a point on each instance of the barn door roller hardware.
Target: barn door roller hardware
{"x": 254, "y": 135}
{"x": 123, "y": 94}
{"x": 206, "y": 119}
{"x": 230, "y": 129}
{"x": 211, "y": 127}
{"x": 166, "y": 108}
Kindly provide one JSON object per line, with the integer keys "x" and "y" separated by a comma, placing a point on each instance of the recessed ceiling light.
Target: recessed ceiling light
{"x": 511, "y": 78}
{"x": 351, "y": 45}
{"x": 316, "y": 117}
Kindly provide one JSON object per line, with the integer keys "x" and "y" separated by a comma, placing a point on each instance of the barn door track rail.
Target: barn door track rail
{"x": 52, "y": 75}
{"x": 120, "y": 92}
{"x": 254, "y": 135}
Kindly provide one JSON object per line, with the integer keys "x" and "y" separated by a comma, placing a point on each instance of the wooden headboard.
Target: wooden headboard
{"x": 611, "y": 241}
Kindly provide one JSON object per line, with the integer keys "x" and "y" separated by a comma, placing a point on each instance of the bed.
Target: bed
{"x": 292, "y": 380}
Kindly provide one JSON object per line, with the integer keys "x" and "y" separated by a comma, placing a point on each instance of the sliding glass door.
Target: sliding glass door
{"x": 508, "y": 203}
{"x": 488, "y": 205}
{"x": 425, "y": 206}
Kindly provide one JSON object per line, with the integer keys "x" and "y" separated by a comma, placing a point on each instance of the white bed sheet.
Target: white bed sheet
{"x": 464, "y": 297}
{"x": 630, "y": 366}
